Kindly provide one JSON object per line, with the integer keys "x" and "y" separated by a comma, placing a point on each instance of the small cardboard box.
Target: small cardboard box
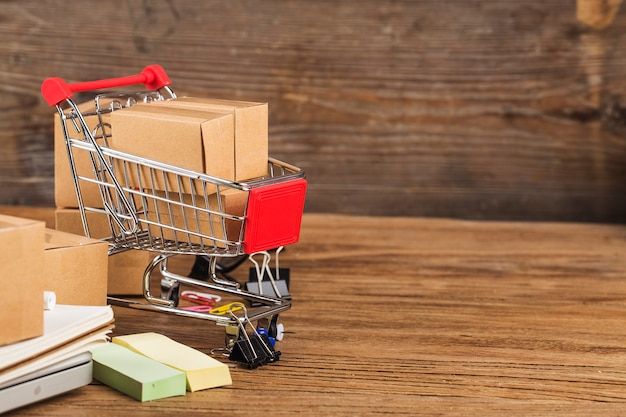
{"x": 231, "y": 202}
{"x": 76, "y": 268}
{"x": 125, "y": 269}
{"x": 22, "y": 279}
{"x": 251, "y": 130}
{"x": 184, "y": 138}
{"x": 64, "y": 192}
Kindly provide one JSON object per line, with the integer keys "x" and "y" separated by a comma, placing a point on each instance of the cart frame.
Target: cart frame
{"x": 140, "y": 216}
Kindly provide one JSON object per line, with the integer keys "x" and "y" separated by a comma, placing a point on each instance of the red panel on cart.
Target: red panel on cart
{"x": 274, "y": 215}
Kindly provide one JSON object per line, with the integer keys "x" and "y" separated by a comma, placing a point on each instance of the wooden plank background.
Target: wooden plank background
{"x": 464, "y": 108}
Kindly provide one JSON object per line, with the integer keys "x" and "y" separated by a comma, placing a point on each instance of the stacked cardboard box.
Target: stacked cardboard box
{"x": 21, "y": 278}
{"x": 64, "y": 192}
{"x": 67, "y": 215}
{"x": 76, "y": 268}
{"x": 124, "y": 269}
{"x": 35, "y": 259}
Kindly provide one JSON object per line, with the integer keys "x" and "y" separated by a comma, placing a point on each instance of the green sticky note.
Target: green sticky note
{"x": 202, "y": 371}
{"x": 136, "y": 375}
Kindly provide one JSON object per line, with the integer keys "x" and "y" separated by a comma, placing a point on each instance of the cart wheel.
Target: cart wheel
{"x": 275, "y": 329}
{"x": 170, "y": 290}
{"x": 230, "y": 337}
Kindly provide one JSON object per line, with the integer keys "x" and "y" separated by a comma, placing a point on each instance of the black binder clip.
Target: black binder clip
{"x": 261, "y": 279}
{"x": 251, "y": 350}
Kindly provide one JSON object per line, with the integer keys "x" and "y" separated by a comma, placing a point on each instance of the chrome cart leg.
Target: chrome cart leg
{"x": 169, "y": 287}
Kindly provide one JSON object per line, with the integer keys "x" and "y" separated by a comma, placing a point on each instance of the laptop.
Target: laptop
{"x": 48, "y": 382}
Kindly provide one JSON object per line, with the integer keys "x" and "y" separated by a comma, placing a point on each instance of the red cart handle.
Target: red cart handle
{"x": 55, "y": 90}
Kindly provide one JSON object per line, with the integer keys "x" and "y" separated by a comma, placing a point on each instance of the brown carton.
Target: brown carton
{"x": 251, "y": 130}
{"x": 231, "y": 202}
{"x": 125, "y": 269}
{"x": 76, "y": 268}
{"x": 64, "y": 192}
{"x": 21, "y": 278}
{"x": 184, "y": 138}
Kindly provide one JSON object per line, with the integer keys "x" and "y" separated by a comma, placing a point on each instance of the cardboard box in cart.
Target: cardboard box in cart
{"x": 22, "y": 278}
{"x": 251, "y": 130}
{"x": 230, "y": 201}
{"x": 194, "y": 140}
{"x": 222, "y": 138}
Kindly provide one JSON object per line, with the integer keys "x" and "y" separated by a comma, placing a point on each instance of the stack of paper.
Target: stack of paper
{"x": 70, "y": 332}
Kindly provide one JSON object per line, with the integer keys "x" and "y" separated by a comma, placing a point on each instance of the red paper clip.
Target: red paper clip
{"x": 201, "y": 298}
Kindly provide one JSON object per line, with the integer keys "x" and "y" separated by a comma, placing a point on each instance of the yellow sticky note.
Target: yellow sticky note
{"x": 202, "y": 371}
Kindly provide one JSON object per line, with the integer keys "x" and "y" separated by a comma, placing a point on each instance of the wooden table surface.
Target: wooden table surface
{"x": 413, "y": 316}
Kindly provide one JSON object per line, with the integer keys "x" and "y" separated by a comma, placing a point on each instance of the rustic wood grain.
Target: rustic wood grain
{"x": 413, "y": 316}
{"x": 470, "y": 109}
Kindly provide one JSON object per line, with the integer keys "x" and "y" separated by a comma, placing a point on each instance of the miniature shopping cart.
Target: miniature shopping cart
{"x": 142, "y": 197}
